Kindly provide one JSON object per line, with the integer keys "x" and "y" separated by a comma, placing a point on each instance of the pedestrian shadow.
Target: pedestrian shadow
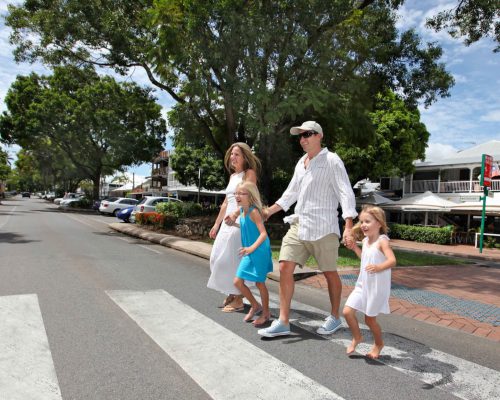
{"x": 14, "y": 238}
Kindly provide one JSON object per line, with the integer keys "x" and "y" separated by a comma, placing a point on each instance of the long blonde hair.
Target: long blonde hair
{"x": 375, "y": 212}
{"x": 253, "y": 194}
{"x": 251, "y": 160}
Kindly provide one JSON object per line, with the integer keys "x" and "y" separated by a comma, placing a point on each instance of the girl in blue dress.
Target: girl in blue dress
{"x": 256, "y": 261}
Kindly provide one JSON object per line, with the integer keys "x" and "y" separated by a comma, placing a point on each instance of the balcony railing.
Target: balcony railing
{"x": 435, "y": 186}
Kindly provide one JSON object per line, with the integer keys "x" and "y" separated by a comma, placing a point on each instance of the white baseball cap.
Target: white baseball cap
{"x": 307, "y": 126}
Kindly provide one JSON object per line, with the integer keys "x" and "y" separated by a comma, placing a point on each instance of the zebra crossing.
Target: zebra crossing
{"x": 193, "y": 341}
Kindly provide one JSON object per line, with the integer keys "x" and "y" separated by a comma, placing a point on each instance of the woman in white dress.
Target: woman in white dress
{"x": 243, "y": 165}
{"x": 373, "y": 287}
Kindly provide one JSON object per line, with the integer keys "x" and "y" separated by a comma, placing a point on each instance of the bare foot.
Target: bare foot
{"x": 375, "y": 351}
{"x": 252, "y": 312}
{"x": 352, "y": 347}
{"x": 261, "y": 320}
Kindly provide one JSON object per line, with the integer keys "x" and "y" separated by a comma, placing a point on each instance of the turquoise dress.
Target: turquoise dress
{"x": 253, "y": 267}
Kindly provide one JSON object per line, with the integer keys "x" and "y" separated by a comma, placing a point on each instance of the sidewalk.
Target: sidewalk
{"x": 462, "y": 297}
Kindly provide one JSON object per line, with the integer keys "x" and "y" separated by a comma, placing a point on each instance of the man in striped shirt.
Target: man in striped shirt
{"x": 319, "y": 184}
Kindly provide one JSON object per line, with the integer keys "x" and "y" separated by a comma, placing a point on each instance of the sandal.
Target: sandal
{"x": 263, "y": 319}
{"x": 235, "y": 306}
{"x": 228, "y": 300}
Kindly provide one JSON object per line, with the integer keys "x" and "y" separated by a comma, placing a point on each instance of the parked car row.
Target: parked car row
{"x": 114, "y": 204}
{"x": 148, "y": 204}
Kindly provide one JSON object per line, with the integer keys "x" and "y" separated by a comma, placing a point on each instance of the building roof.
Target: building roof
{"x": 427, "y": 201}
{"x": 472, "y": 155}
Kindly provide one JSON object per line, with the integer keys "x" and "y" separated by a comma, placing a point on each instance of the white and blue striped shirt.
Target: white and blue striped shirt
{"x": 318, "y": 190}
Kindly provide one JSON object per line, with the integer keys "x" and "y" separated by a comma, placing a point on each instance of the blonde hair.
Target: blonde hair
{"x": 251, "y": 160}
{"x": 253, "y": 194}
{"x": 375, "y": 212}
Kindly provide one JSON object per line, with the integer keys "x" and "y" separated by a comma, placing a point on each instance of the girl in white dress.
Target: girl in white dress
{"x": 373, "y": 287}
{"x": 224, "y": 259}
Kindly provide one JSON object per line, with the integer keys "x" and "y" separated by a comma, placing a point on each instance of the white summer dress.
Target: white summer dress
{"x": 224, "y": 259}
{"x": 372, "y": 291}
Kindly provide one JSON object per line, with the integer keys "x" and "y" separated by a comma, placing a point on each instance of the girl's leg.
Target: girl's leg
{"x": 254, "y": 305}
{"x": 352, "y": 321}
{"x": 377, "y": 336}
{"x": 264, "y": 297}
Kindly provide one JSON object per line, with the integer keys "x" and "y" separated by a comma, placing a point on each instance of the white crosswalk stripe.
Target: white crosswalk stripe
{"x": 452, "y": 374}
{"x": 193, "y": 341}
{"x": 26, "y": 366}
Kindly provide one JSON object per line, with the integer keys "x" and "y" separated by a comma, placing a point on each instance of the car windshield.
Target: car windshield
{"x": 143, "y": 200}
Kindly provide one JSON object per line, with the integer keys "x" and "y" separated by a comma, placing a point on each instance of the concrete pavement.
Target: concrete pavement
{"x": 461, "y": 297}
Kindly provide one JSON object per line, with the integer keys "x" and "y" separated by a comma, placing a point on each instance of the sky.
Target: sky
{"x": 470, "y": 116}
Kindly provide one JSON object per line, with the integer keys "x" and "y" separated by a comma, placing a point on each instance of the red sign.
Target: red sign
{"x": 486, "y": 170}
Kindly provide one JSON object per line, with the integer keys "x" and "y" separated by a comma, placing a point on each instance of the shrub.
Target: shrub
{"x": 82, "y": 203}
{"x": 173, "y": 208}
{"x": 490, "y": 242}
{"x": 422, "y": 234}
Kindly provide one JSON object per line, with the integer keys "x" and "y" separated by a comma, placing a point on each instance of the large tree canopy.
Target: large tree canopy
{"x": 100, "y": 125}
{"x": 470, "y": 19}
{"x": 246, "y": 71}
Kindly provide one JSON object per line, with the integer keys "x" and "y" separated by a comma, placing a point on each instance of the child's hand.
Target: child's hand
{"x": 245, "y": 251}
{"x": 373, "y": 268}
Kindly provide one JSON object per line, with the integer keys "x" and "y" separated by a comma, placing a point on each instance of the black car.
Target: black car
{"x": 26, "y": 194}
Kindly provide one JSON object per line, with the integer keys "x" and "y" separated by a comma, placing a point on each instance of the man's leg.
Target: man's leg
{"x": 287, "y": 286}
{"x": 334, "y": 291}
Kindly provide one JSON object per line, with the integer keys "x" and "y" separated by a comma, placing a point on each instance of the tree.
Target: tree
{"x": 4, "y": 165}
{"x": 245, "y": 71}
{"x": 400, "y": 138}
{"x": 187, "y": 161}
{"x": 471, "y": 19}
{"x": 99, "y": 124}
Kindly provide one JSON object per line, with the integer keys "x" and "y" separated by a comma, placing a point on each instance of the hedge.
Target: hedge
{"x": 422, "y": 234}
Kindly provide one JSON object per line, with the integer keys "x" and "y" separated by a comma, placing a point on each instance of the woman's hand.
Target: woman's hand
{"x": 231, "y": 218}
{"x": 213, "y": 231}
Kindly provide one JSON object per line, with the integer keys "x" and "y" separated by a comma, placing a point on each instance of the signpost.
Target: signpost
{"x": 485, "y": 182}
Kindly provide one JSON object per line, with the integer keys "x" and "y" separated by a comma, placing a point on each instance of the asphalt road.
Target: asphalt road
{"x": 91, "y": 314}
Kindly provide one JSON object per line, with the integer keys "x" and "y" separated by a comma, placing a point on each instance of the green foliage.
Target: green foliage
{"x": 82, "y": 203}
{"x": 180, "y": 209}
{"x": 471, "y": 19}
{"x": 421, "y": 234}
{"x": 490, "y": 242}
{"x": 400, "y": 138}
{"x": 4, "y": 165}
{"x": 246, "y": 71}
{"x": 186, "y": 161}
{"x": 96, "y": 124}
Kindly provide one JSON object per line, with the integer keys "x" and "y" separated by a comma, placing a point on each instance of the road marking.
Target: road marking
{"x": 194, "y": 342}
{"x": 150, "y": 249}
{"x": 26, "y": 366}
{"x": 435, "y": 368}
{"x": 8, "y": 217}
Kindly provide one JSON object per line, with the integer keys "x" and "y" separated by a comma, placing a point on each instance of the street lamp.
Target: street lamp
{"x": 199, "y": 182}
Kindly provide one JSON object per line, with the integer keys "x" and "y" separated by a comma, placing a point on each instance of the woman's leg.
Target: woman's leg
{"x": 377, "y": 336}
{"x": 264, "y": 297}
{"x": 352, "y": 321}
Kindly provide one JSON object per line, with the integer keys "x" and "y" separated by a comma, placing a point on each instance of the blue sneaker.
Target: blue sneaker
{"x": 331, "y": 325}
{"x": 277, "y": 328}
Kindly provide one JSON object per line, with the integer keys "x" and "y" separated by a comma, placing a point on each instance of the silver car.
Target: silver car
{"x": 148, "y": 204}
{"x": 114, "y": 205}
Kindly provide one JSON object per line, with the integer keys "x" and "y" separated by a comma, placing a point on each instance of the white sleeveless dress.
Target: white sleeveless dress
{"x": 372, "y": 291}
{"x": 224, "y": 259}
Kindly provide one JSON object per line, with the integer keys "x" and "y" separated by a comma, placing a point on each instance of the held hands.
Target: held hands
{"x": 231, "y": 218}
{"x": 245, "y": 251}
{"x": 373, "y": 268}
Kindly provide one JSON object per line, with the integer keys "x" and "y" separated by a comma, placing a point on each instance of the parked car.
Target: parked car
{"x": 26, "y": 194}
{"x": 124, "y": 214}
{"x": 67, "y": 202}
{"x": 148, "y": 204}
{"x": 68, "y": 196}
{"x": 113, "y": 205}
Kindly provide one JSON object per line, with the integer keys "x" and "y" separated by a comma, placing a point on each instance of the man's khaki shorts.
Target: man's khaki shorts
{"x": 324, "y": 250}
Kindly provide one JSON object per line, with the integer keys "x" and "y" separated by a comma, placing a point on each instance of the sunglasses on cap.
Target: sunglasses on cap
{"x": 307, "y": 134}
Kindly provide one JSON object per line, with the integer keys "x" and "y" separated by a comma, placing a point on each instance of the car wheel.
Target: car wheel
{"x": 115, "y": 212}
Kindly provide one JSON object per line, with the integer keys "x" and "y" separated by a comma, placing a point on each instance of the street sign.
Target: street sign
{"x": 487, "y": 162}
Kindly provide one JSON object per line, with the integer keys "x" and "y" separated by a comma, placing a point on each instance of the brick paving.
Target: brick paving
{"x": 471, "y": 282}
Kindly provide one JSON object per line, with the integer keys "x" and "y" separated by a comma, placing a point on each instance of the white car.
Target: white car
{"x": 114, "y": 205}
{"x": 148, "y": 204}
{"x": 67, "y": 196}
{"x": 66, "y": 203}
